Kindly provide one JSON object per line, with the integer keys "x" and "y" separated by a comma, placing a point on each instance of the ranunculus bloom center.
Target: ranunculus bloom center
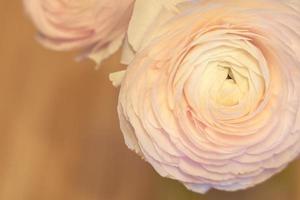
{"x": 231, "y": 75}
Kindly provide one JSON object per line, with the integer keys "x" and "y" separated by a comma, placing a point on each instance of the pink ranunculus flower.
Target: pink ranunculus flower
{"x": 95, "y": 26}
{"x": 213, "y": 99}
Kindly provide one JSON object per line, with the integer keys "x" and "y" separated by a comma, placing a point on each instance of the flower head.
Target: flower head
{"x": 95, "y": 26}
{"x": 212, "y": 97}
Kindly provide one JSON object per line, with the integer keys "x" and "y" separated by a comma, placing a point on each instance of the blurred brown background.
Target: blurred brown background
{"x": 59, "y": 132}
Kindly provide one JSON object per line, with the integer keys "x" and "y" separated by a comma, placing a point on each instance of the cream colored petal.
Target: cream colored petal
{"x": 117, "y": 77}
{"x": 104, "y": 53}
{"x": 127, "y": 53}
{"x": 145, "y": 15}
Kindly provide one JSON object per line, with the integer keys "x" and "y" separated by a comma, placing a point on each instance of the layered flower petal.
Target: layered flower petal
{"x": 97, "y": 27}
{"x": 212, "y": 98}
{"x": 147, "y": 15}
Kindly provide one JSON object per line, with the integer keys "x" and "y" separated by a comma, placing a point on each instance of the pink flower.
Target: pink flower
{"x": 95, "y": 26}
{"x": 212, "y": 96}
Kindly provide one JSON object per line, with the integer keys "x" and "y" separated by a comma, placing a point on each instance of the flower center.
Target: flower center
{"x": 229, "y": 90}
{"x": 229, "y": 79}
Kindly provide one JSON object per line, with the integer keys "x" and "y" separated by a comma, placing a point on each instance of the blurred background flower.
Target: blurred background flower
{"x": 95, "y": 26}
{"x": 60, "y": 138}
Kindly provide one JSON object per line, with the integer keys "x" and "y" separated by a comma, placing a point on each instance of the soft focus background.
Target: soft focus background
{"x": 59, "y": 132}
